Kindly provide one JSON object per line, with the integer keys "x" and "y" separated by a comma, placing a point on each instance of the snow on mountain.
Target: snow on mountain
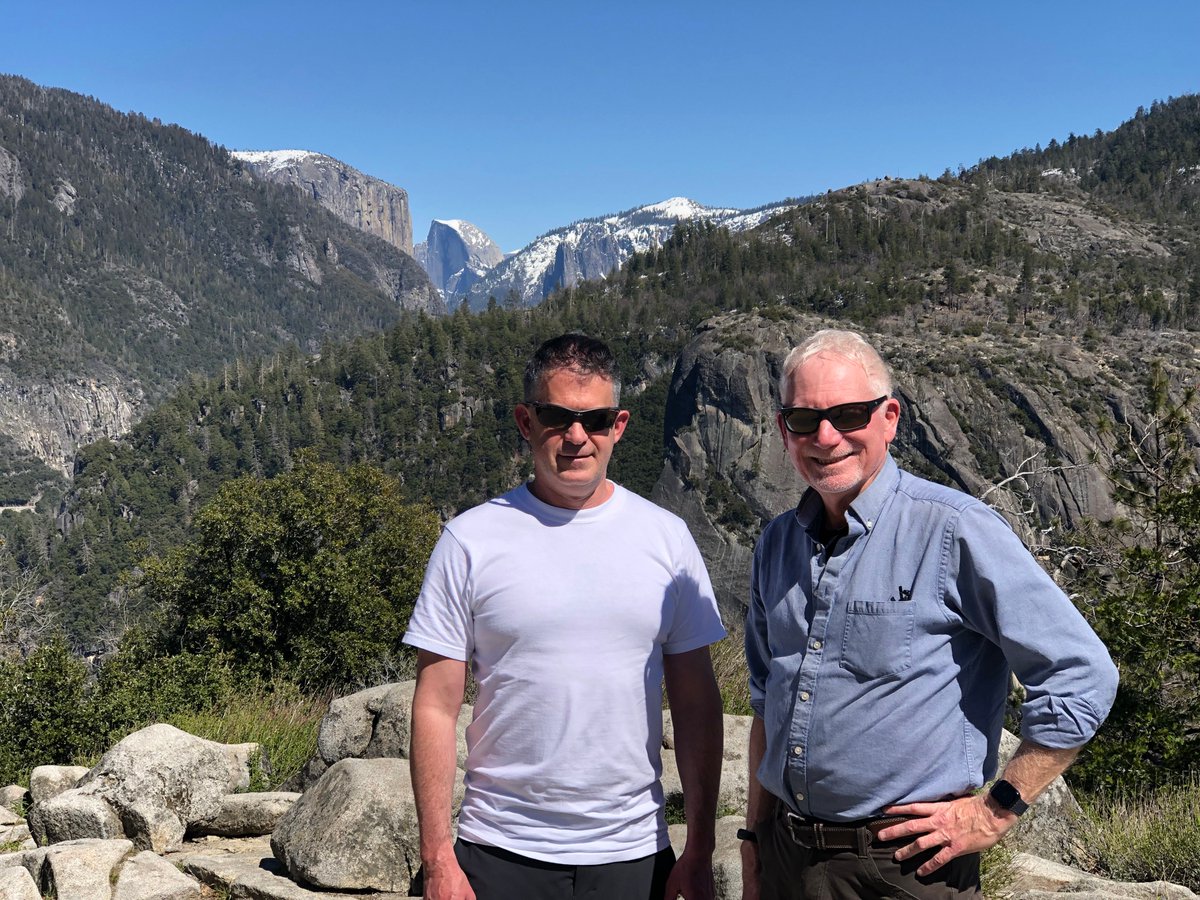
{"x": 272, "y": 160}
{"x": 591, "y": 248}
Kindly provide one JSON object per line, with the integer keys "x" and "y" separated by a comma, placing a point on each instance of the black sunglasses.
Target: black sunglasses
{"x": 551, "y": 416}
{"x": 843, "y": 417}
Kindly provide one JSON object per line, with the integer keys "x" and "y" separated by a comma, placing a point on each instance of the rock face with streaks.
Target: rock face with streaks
{"x": 369, "y": 204}
{"x": 1012, "y": 421}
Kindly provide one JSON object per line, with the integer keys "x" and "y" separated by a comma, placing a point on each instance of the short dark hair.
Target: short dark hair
{"x": 577, "y": 352}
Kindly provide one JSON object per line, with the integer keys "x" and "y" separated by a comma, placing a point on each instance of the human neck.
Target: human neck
{"x": 597, "y": 496}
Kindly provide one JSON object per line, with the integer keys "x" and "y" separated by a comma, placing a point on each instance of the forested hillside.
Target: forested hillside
{"x": 134, "y": 253}
{"x": 960, "y": 257}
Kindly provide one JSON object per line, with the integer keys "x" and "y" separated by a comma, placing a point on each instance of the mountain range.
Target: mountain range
{"x": 166, "y": 297}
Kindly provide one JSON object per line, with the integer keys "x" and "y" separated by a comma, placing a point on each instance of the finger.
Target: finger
{"x": 913, "y": 809}
{"x": 936, "y": 862}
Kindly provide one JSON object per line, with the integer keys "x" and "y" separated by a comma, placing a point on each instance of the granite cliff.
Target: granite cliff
{"x": 369, "y": 204}
{"x": 1028, "y": 422}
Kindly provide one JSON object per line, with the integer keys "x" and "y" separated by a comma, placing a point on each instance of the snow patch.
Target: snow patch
{"x": 274, "y": 160}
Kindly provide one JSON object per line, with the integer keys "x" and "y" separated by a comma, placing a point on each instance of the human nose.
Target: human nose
{"x": 826, "y": 435}
{"x": 576, "y": 434}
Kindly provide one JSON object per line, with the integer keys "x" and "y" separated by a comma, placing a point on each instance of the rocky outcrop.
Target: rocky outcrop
{"x": 456, "y": 255}
{"x": 1011, "y": 420}
{"x": 46, "y": 782}
{"x": 51, "y": 419}
{"x": 369, "y": 204}
{"x": 12, "y": 179}
{"x": 149, "y": 787}
{"x": 353, "y": 835}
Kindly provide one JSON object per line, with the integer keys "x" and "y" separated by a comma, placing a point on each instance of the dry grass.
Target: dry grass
{"x": 1154, "y": 836}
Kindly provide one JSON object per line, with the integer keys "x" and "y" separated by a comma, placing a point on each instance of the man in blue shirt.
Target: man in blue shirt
{"x": 886, "y": 613}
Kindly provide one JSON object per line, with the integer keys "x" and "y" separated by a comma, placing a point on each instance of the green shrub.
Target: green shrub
{"x": 44, "y": 715}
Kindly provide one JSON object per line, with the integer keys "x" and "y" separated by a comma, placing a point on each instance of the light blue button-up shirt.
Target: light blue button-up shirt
{"x": 880, "y": 665}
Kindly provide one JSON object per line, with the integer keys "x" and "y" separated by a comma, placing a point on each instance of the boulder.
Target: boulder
{"x": 355, "y": 829}
{"x": 153, "y": 784}
{"x": 14, "y": 798}
{"x": 8, "y": 817}
{"x": 246, "y": 815}
{"x": 1035, "y": 878}
{"x": 83, "y": 870}
{"x": 147, "y": 876}
{"x": 74, "y": 815}
{"x": 50, "y": 781}
{"x": 369, "y": 724}
{"x": 18, "y": 884}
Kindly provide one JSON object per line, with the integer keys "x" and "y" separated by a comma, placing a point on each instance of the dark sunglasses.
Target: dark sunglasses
{"x": 843, "y": 417}
{"x": 551, "y": 416}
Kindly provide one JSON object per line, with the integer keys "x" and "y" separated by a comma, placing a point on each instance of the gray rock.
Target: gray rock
{"x": 8, "y": 817}
{"x": 355, "y": 829}
{"x": 155, "y": 782}
{"x": 50, "y": 781}
{"x": 147, "y": 876}
{"x": 14, "y": 798}
{"x": 32, "y": 860}
{"x": 246, "y": 815}
{"x": 18, "y": 884}
{"x": 370, "y": 724}
{"x": 83, "y": 870}
{"x": 73, "y": 816}
{"x": 14, "y": 834}
{"x": 1034, "y": 877}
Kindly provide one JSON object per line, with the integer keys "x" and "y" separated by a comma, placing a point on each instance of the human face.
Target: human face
{"x": 838, "y": 465}
{"x": 570, "y": 465}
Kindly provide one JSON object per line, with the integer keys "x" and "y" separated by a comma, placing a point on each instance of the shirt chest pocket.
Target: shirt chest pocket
{"x": 878, "y": 637}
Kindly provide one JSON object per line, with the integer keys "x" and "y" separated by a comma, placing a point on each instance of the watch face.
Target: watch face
{"x": 1008, "y": 797}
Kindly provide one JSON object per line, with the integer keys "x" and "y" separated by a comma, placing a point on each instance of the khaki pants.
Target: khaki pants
{"x": 792, "y": 872}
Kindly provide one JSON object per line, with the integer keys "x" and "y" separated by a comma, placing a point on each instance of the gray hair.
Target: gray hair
{"x": 846, "y": 344}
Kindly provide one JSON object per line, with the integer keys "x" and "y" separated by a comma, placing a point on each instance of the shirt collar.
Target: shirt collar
{"x": 810, "y": 513}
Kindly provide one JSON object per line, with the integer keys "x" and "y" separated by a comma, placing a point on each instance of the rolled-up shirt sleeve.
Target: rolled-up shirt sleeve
{"x": 1001, "y": 592}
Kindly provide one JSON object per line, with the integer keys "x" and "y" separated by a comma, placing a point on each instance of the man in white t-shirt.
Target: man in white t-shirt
{"x": 571, "y": 599}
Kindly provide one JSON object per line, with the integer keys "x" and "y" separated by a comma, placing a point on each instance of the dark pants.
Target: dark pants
{"x": 792, "y": 872}
{"x": 497, "y": 874}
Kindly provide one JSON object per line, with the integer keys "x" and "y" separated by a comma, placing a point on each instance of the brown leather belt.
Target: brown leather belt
{"x": 817, "y": 835}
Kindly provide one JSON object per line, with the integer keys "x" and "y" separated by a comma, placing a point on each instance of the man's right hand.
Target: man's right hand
{"x": 749, "y": 870}
{"x": 445, "y": 880}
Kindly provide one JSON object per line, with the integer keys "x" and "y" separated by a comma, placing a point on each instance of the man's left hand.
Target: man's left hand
{"x": 691, "y": 878}
{"x": 965, "y": 825}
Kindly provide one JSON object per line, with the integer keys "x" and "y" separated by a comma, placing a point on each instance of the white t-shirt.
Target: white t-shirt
{"x": 565, "y": 615}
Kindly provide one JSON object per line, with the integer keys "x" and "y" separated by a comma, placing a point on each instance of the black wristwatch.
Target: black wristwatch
{"x": 1008, "y": 797}
{"x": 744, "y": 835}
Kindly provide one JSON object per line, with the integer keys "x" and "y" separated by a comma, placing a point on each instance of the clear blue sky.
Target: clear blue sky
{"x": 525, "y": 116}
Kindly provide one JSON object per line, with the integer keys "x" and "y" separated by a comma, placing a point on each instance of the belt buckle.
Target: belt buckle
{"x": 818, "y": 830}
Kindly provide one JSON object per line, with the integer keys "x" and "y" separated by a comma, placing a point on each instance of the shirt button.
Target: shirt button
{"x": 804, "y": 696}
{"x": 817, "y": 645}
{"x": 800, "y": 798}
{"x": 797, "y": 750}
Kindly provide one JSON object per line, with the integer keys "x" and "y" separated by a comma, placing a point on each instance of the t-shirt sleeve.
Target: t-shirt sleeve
{"x": 441, "y": 618}
{"x": 696, "y": 622}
